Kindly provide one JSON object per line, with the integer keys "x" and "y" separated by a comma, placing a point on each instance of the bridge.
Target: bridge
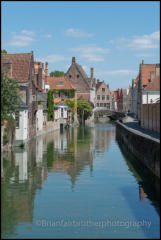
{"x": 104, "y": 112}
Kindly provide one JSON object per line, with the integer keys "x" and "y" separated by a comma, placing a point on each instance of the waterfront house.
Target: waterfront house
{"x": 119, "y": 99}
{"x": 113, "y": 100}
{"x": 147, "y": 72}
{"x": 20, "y": 66}
{"x": 63, "y": 90}
{"x": 84, "y": 85}
{"x": 102, "y": 95}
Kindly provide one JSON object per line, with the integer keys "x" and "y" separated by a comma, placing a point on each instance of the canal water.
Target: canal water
{"x": 80, "y": 183}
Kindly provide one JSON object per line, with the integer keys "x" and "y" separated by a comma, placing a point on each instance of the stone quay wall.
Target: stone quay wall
{"x": 146, "y": 149}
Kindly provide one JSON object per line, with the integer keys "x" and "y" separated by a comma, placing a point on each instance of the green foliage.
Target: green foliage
{"x": 70, "y": 92}
{"x": 50, "y": 106}
{"x": 9, "y": 97}
{"x": 9, "y": 132}
{"x": 3, "y": 51}
{"x": 84, "y": 110}
{"x": 72, "y": 105}
{"x": 39, "y": 102}
{"x": 57, "y": 74}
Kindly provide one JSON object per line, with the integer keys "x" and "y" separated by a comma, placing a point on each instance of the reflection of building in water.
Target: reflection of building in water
{"x": 21, "y": 163}
{"x": 39, "y": 149}
{"x": 102, "y": 139}
{"x": 142, "y": 194}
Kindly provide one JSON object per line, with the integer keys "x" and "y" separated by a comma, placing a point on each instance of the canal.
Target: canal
{"x": 80, "y": 183}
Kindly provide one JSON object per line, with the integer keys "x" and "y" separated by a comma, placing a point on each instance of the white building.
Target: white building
{"x": 21, "y": 133}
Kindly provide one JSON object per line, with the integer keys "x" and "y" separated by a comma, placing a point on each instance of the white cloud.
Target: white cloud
{"x": 47, "y": 36}
{"x": 145, "y": 55}
{"x": 120, "y": 72}
{"x": 30, "y": 33}
{"x": 147, "y": 41}
{"x": 53, "y": 58}
{"x": 91, "y": 53}
{"x": 77, "y": 33}
{"x": 21, "y": 40}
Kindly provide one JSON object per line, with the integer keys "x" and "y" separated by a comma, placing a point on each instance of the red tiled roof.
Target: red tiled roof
{"x": 54, "y": 83}
{"x": 154, "y": 85}
{"x": 57, "y": 100}
{"x": 21, "y": 63}
{"x": 145, "y": 72}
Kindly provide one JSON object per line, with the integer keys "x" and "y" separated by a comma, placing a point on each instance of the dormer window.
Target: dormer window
{"x": 60, "y": 83}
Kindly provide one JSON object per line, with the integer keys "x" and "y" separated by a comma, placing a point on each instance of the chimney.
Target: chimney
{"x": 73, "y": 59}
{"x": 157, "y": 69}
{"x": 46, "y": 69}
{"x": 142, "y": 62}
{"x": 108, "y": 86}
{"x": 91, "y": 72}
{"x": 152, "y": 76}
{"x": 8, "y": 68}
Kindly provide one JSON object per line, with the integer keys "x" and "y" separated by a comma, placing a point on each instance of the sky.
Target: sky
{"x": 113, "y": 37}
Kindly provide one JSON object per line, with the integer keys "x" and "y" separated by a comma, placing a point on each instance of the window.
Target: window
{"x": 107, "y": 97}
{"x": 104, "y": 104}
{"x": 17, "y": 120}
{"x": 103, "y": 89}
{"x": 62, "y": 112}
{"x": 70, "y": 76}
{"x": 60, "y": 83}
{"x": 101, "y": 104}
{"x": 97, "y": 104}
{"x": 103, "y": 97}
{"x": 108, "y": 105}
{"x": 77, "y": 75}
{"x": 98, "y": 97}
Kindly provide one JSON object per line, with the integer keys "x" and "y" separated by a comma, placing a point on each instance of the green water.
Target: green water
{"x": 77, "y": 184}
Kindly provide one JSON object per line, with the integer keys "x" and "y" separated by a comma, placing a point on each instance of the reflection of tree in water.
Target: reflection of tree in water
{"x": 149, "y": 185}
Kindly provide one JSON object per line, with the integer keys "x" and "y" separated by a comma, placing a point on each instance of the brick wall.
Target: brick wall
{"x": 150, "y": 117}
{"x": 77, "y": 80}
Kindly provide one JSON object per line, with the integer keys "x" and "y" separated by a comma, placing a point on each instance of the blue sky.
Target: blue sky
{"x": 112, "y": 37}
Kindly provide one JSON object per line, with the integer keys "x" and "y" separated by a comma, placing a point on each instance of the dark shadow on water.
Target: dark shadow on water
{"x": 149, "y": 184}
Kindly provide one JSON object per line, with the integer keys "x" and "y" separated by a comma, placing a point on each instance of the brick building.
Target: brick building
{"x": 84, "y": 85}
{"x": 146, "y": 76}
{"x": 102, "y": 95}
{"x": 119, "y": 99}
{"x": 20, "y": 66}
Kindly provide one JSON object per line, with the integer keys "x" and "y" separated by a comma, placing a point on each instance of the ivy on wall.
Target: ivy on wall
{"x": 50, "y": 106}
{"x": 70, "y": 92}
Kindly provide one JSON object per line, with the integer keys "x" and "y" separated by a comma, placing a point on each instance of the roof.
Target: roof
{"x": 80, "y": 69}
{"x": 98, "y": 85}
{"x": 59, "y": 83}
{"x": 21, "y": 63}
{"x": 146, "y": 69}
{"x": 154, "y": 85}
{"x": 112, "y": 92}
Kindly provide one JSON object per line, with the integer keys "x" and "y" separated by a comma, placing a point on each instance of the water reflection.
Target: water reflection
{"x": 71, "y": 154}
{"x": 149, "y": 185}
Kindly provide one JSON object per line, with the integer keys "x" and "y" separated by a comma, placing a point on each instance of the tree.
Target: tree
{"x": 84, "y": 110}
{"x": 50, "y": 106}
{"x": 9, "y": 97}
{"x": 57, "y": 74}
{"x": 3, "y": 51}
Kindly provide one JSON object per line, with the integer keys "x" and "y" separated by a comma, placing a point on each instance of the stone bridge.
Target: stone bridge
{"x": 104, "y": 112}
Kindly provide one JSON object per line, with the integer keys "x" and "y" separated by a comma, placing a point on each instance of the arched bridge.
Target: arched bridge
{"x": 104, "y": 112}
